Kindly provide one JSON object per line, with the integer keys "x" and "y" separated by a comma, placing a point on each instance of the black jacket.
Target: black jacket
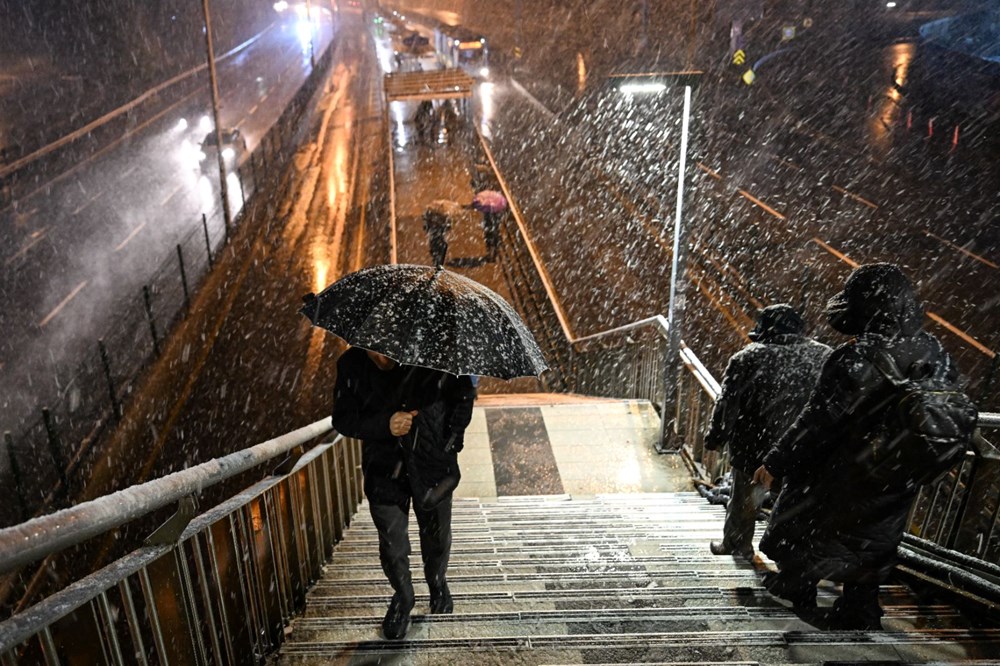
{"x": 398, "y": 468}
{"x": 765, "y": 387}
{"x": 833, "y": 519}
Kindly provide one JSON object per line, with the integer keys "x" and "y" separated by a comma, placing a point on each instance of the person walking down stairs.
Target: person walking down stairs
{"x": 765, "y": 387}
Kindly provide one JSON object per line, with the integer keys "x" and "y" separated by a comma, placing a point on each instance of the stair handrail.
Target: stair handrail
{"x": 42, "y": 536}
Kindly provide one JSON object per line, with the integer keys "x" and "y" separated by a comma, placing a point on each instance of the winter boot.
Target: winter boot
{"x": 441, "y": 601}
{"x": 720, "y": 548}
{"x": 857, "y": 610}
{"x": 801, "y": 592}
{"x": 397, "y": 618}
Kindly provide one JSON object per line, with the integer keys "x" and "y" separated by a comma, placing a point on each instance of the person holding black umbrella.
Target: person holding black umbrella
{"x": 419, "y": 334}
{"x": 412, "y": 421}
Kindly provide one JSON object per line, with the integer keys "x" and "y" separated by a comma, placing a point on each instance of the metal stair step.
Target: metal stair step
{"x": 765, "y": 646}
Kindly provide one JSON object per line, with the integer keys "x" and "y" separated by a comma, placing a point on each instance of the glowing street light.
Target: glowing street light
{"x": 660, "y": 83}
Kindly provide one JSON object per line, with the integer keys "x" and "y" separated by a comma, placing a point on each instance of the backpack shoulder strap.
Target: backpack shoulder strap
{"x": 884, "y": 362}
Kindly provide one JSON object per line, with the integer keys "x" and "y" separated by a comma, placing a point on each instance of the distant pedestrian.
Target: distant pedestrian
{"x": 492, "y": 205}
{"x": 491, "y": 234}
{"x": 842, "y": 513}
{"x": 423, "y": 120}
{"x": 437, "y": 224}
{"x": 765, "y": 386}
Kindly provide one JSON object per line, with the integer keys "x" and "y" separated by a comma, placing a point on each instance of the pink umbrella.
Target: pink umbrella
{"x": 489, "y": 201}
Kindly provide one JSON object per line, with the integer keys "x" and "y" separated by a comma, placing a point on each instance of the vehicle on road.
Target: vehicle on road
{"x": 463, "y": 48}
{"x": 234, "y": 147}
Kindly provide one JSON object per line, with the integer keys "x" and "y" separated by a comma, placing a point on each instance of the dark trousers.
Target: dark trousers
{"x": 391, "y": 521}
{"x": 491, "y": 233}
{"x": 860, "y": 601}
{"x": 439, "y": 248}
{"x": 741, "y": 514}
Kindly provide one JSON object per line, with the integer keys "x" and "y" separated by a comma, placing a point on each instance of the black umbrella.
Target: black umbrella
{"x": 430, "y": 317}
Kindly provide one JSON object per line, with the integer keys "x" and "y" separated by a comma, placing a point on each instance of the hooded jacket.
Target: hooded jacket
{"x": 399, "y": 468}
{"x": 833, "y": 520}
{"x": 765, "y": 386}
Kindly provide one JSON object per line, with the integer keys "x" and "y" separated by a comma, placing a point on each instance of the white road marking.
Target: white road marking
{"x": 61, "y": 305}
{"x": 852, "y": 195}
{"x": 35, "y": 238}
{"x": 172, "y": 194}
{"x": 761, "y": 204}
{"x": 130, "y": 236}
{"x": 971, "y": 255}
{"x": 713, "y": 174}
{"x": 85, "y": 204}
{"x": 840, "y": 255}
{"x": 962, "y": 334}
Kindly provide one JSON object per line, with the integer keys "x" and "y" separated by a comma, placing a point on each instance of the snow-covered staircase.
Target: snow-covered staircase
{"x": 601, "y": 579}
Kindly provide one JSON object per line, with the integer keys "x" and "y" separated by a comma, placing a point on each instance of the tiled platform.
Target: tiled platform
{"x": 521, "y": 445}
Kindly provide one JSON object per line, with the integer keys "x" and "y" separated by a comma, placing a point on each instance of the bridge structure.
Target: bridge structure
{"x": 606, "y": 561}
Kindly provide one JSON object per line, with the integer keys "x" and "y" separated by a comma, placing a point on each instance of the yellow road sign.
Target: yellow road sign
{"x": 739, "y": 57}
{"x": 749, "y": 77}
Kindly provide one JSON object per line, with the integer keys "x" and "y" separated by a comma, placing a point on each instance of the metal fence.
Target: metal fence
{"x": 41, "y": 459}
{"x": 220, "y": 589}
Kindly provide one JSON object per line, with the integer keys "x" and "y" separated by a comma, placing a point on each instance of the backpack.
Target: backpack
{"x": 925, "y": 430}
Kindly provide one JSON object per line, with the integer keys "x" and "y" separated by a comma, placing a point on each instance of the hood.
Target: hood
{"x": 778, "y": 324}
{"x": 877, "y": 298}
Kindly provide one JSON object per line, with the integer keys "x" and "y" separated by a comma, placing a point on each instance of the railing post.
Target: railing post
{"x": 15, "y": 471}
{"x": 55, "y": 449}
{"x": 148, "y": 303}
{"x": 106, "y": 366}
{"x": 184, "y": 282}
{"x": 208, "y": 242}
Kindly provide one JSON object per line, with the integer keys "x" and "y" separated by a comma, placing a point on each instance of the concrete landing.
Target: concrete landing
{"x": 549, "y": 444}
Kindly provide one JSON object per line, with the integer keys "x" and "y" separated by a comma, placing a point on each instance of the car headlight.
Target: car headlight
{"x": 484, "y": 71}
{"x": 228, "y": 153}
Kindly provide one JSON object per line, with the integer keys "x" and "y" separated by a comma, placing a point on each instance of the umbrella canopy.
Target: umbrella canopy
{"x": 489, "y": 201}
{"x": 430, "y": 317}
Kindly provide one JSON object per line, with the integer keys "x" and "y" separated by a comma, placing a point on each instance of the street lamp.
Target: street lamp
{"x": 658, "y": 83}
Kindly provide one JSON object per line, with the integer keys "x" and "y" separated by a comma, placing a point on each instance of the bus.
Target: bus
{"x": 463, "y": 48}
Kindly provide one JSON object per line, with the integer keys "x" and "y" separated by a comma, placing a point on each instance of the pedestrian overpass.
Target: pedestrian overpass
{"x": 575, "y": 540}
{"x": 289, "y": 567}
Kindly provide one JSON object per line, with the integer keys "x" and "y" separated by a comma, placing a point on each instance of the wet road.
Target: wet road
{"x": 77, "y": 249}
{"x": 785, "y": 201}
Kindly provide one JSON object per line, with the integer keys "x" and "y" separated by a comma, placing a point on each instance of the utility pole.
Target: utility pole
{"x": 210, "y": 51}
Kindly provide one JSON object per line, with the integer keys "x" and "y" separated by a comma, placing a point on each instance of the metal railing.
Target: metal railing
{"x": 219, "y": 589}
{"x": 40, "y": 460}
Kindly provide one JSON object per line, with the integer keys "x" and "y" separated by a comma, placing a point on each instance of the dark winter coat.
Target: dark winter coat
{"x": 765, "y": 387}
{"x": 399, "y": 468}
{"x": 832, "y": 519}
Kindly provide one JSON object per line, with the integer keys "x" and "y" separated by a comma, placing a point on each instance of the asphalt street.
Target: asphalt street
{"x": 783, "y": 203}
{"x": 84, "y": 242}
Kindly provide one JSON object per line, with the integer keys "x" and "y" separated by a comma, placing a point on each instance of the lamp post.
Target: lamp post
{"x": 660, "y": 83}
{"x": 213, "y": 83}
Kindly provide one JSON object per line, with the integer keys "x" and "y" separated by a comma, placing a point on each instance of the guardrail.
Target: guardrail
{"x": 219, "y": 589}
{"x": 42, "y": 458}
